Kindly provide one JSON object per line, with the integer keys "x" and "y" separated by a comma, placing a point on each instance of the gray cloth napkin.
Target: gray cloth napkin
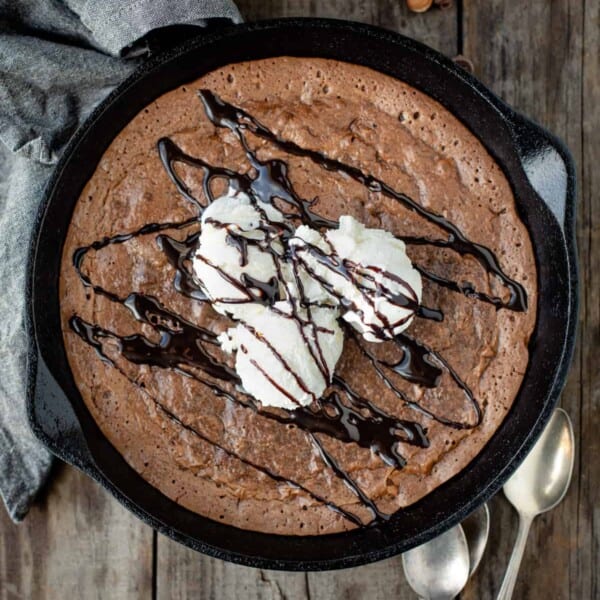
{"x": 58, "y": 59}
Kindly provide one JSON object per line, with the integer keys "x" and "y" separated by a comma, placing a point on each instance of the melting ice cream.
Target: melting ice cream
{"x": 287, "y": 287}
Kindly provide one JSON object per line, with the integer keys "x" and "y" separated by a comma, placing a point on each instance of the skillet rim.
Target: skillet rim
{"x": 512, "y": 120}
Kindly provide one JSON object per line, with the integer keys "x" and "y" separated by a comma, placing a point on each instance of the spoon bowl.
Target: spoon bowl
{"x": 439, "y": 569}
{"x": 477, "y": 529}
{"x": 538, "y": 485}
{"x": 543, "y": 478}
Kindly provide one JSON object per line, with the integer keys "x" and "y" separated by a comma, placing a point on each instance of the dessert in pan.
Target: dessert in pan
{"x": 297, "y": 296}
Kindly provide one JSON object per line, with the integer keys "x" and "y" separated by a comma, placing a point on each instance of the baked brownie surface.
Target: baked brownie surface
{"x": 205, "y": 450}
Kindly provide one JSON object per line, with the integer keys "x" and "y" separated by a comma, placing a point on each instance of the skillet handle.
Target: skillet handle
{"x": 166, "y": 38}
{"x": 54, "y": 422}
{"x": 549, "y": 167}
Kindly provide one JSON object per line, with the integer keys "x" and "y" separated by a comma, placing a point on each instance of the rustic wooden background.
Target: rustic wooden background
{"x": 543, "y": 57}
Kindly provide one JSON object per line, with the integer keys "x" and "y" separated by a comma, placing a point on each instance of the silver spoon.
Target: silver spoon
{"x": 538, "y": 485}
{"x": 477, "y": 529}
{"x": 438, "y": 569}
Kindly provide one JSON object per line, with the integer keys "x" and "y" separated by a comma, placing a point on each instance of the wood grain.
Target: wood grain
{"x": 584, "y": 572}
{"x": 543, "y": 58}
{"x": 531, "y": 55}
{"x": 77, "y": 543}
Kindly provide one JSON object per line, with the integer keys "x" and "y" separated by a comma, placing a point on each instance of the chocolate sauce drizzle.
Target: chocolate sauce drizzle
{"x": 179, "y": 256}
{"x": 342, "y": 413}
{"x": 93, "y": 335}
{"x": 223, "y": 114}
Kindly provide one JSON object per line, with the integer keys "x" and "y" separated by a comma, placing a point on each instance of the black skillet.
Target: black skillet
{"x": 541, "y": 173}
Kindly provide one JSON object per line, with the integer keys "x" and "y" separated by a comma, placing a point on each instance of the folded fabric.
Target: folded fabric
{"x": 58, "y": 60}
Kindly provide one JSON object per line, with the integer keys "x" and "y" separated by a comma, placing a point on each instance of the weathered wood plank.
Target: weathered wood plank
{"x": 531, "y": 55}
{"x": 383, "y": 580}
{"x": 584, "y": 575}
{"x": 77, "y": 543}
{"x": 183, "y": 573}
{"x": 81, "y": 543}
{"x": 180, "y": 572}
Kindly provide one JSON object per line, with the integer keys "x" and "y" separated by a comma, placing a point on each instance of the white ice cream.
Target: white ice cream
{"x": 383, "y": 275}
{"x": 217, "y": 263}
{"x": 286, "y": 357}
{"x": 282, "y": 361}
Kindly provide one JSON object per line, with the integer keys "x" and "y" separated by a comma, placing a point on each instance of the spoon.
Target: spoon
{"x": 438, "y": 569}
{"x": 538, "y": 485}
{"x": 477, "y": 529}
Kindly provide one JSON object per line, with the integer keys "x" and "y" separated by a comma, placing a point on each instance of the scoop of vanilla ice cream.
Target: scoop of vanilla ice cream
{"x": 285, "y": 361}
{"x": 367, "y": 270}
{"x": 217, "y": 263}
{"x": 312, "y": 289}
{"x": 286, "y": 353}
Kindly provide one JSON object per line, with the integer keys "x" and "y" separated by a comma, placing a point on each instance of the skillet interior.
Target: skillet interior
{"x": 522, "y": 149}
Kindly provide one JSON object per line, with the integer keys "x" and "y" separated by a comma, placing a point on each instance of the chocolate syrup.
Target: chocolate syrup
{"x": 179, "y": 255}
{"x": 80, "y": 253}
{"x": 92, "y": 335}
{"x": 346, "y": 421}
{"x": 340, "y": 472}
{"x": 420, "y": 355}
{"x": 223, "y": 114}
{"x": 356, "y": 274}
{"x": 268, "y": 290}
{"x": 341, "y": 413}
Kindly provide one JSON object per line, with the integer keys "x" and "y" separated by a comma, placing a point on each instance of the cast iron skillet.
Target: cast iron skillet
{"x": 541, "y": 172}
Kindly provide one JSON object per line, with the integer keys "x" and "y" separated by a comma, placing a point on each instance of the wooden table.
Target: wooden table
{"x": 543, "y": 57}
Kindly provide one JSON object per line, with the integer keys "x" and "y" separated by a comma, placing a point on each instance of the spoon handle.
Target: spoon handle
{"x": 510, "y": 578}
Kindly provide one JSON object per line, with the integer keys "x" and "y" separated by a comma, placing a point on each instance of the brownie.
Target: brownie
{"x": 192, "y": 434}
